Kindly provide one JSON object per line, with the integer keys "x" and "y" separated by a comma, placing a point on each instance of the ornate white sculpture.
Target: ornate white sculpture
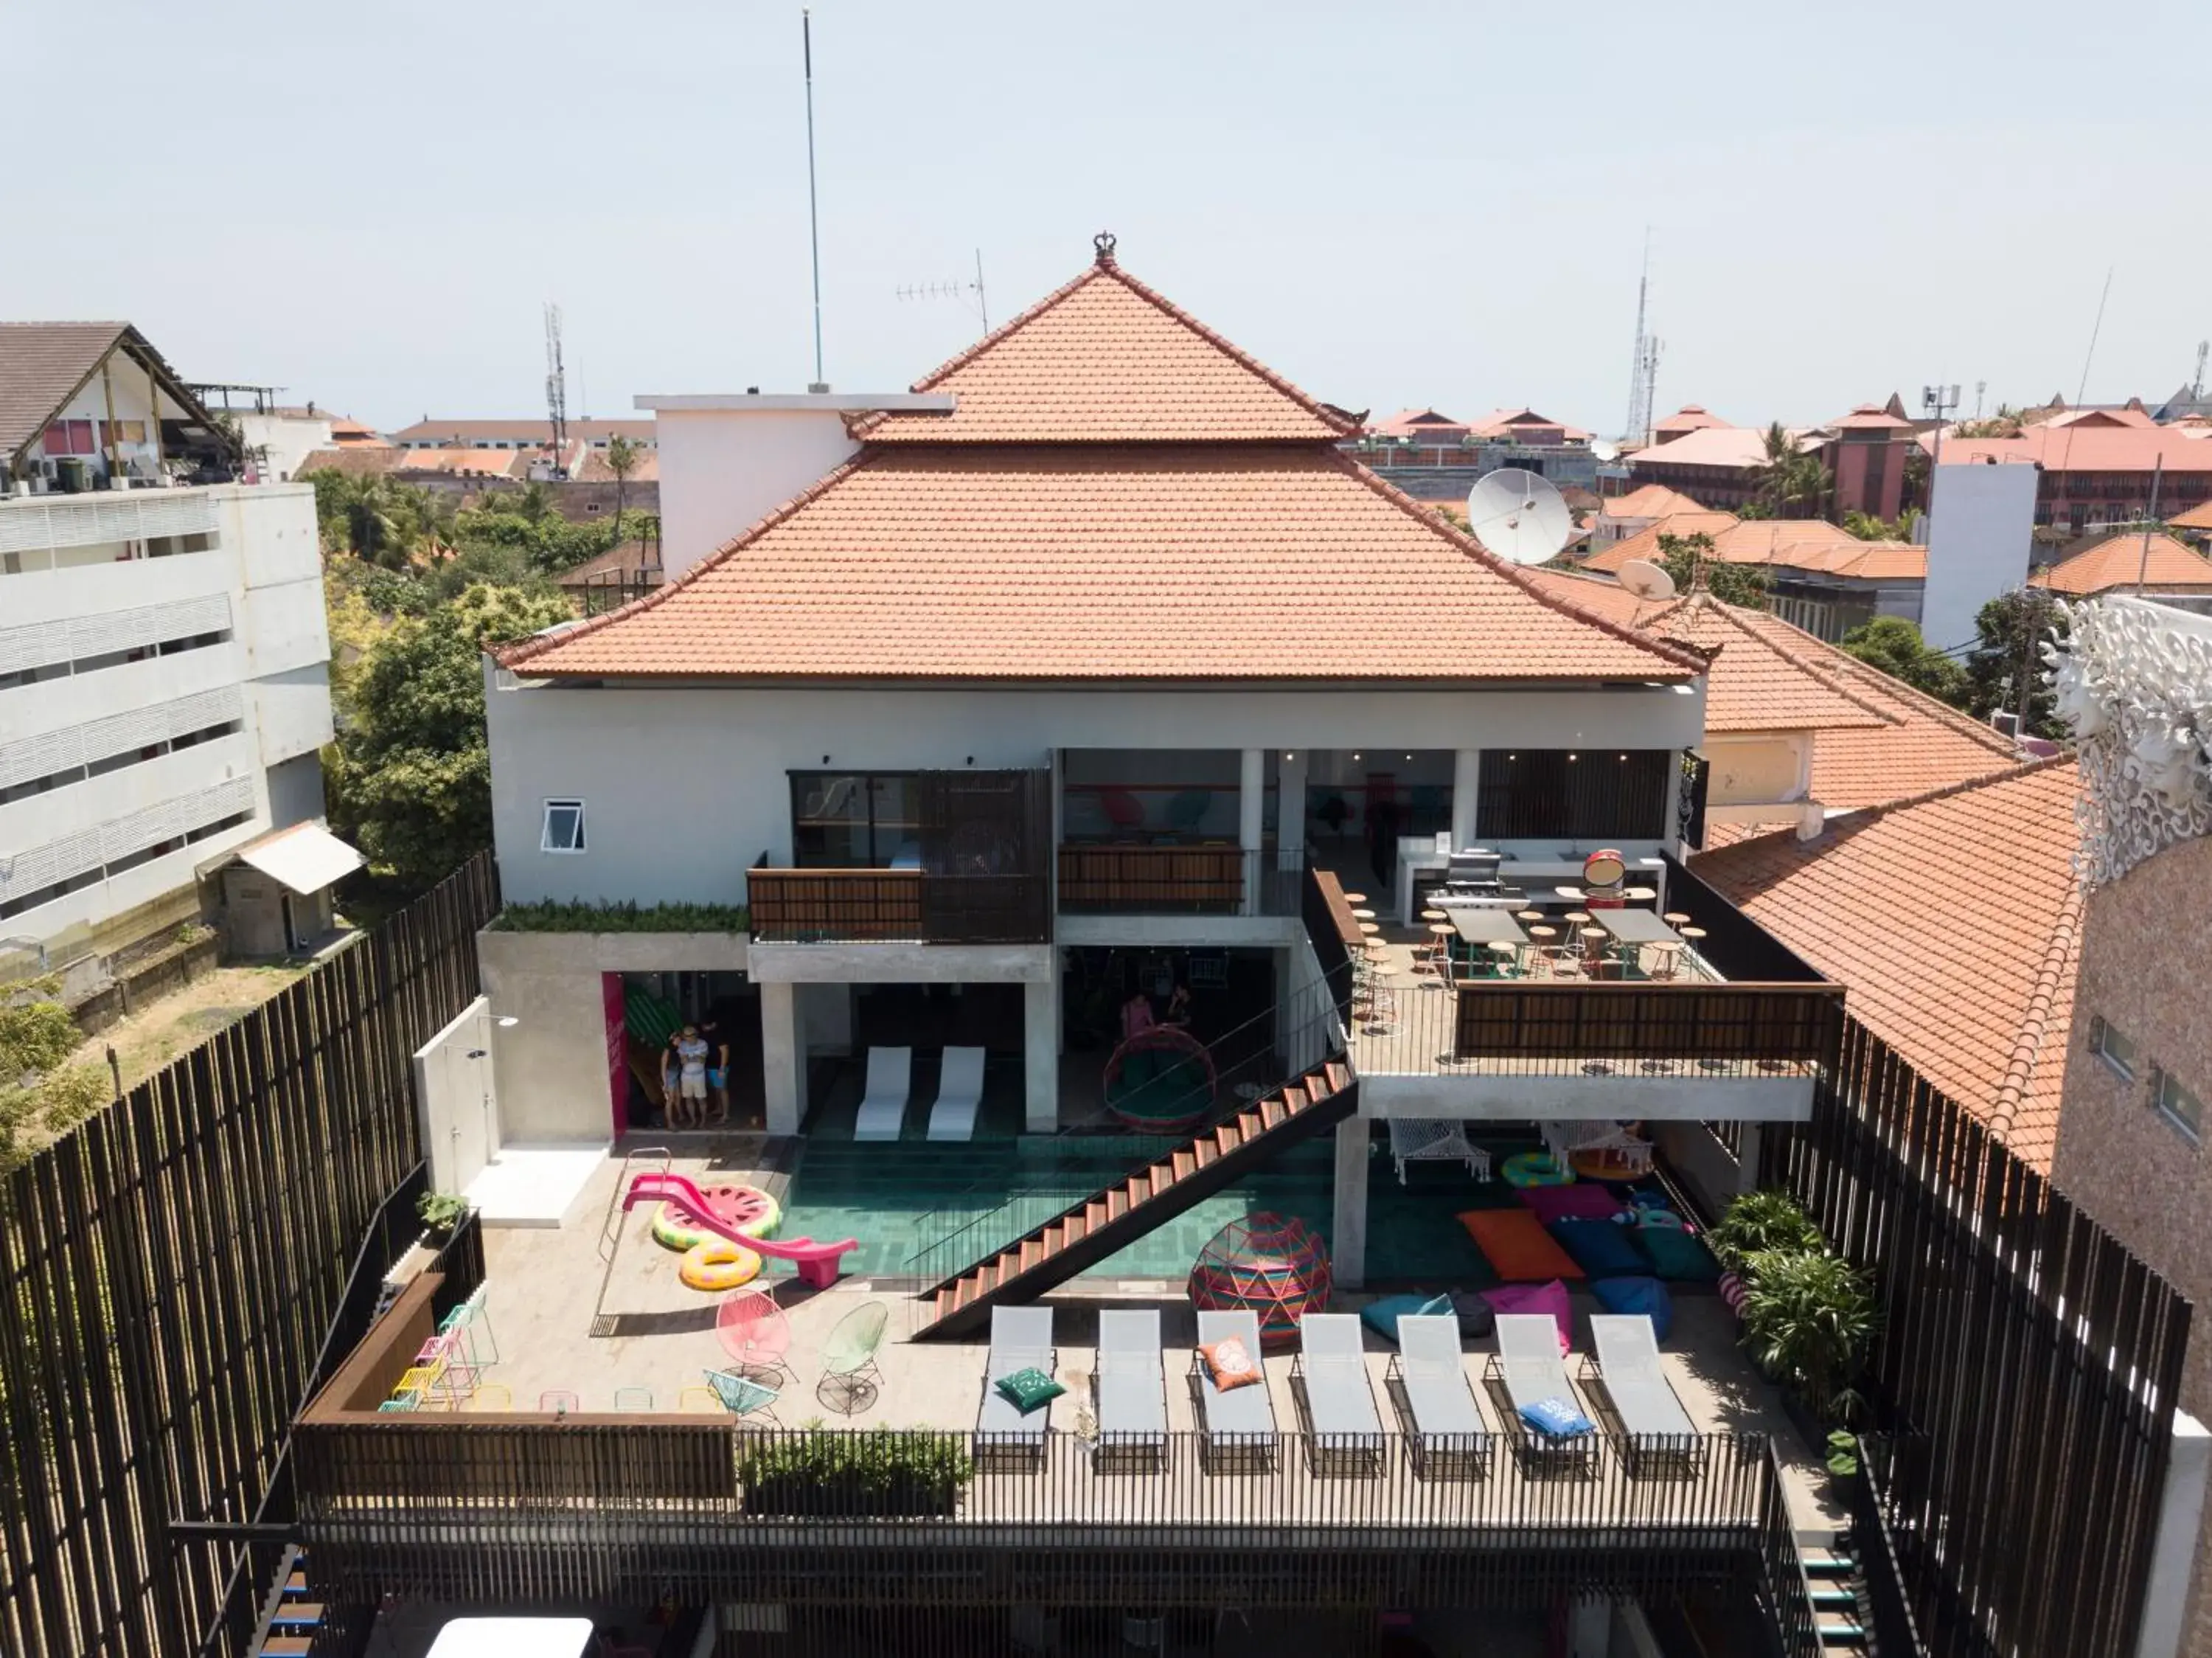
{"x": 2134, "y": 680}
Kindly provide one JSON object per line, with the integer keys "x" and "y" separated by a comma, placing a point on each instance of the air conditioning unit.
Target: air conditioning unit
{"x": 2005, "y": 725}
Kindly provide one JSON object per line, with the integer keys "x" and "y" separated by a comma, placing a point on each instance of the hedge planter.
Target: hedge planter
{"x": 878, "y": 1474}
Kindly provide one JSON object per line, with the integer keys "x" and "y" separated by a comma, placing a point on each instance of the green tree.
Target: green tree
{"x": 1894, "y": 645}
{"x": 623, "y": 458}
{"x": 1691, "y": 561}
{"x": 548, "y": 543}
{"x": 373, "y": 517}
{"x": 1791, "y": 484}
{"x": 38, "y": 1099}
{"x": 1868, "y": 527}
{"x": 409, "y": 777}
{"x": 2009, "y": 635}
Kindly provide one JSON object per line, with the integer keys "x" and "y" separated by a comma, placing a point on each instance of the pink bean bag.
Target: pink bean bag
{"x": 1537, "y": 1298}
{"x": 1584, "y": 1201}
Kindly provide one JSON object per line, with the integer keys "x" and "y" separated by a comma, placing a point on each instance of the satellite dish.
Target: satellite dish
{"x": 1646, "y": 579}
{"x": 1519, "y": 517}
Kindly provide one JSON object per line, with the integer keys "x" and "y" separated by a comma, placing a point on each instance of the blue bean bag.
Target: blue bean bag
{"x": 1381, "y": 1316}
{"x": 1631, "y": 1296}
{"x": 1599, "y": 1247}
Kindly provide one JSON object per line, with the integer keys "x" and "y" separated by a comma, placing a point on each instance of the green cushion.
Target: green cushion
{"x": 1025, "y": 1390}
{"x": 1139, "y": 1068}
{"x": 1676, "y": 1254}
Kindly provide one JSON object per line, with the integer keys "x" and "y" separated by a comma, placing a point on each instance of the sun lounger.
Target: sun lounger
{"x": 1130, "y": 1388}
{"x": 1346, "y": 1429}
{"x": 959, "y": 1095}
{"x": 882, "y": 1107}
{"x": 1021, "y": 1339}
{"x": 1449, "y": 1436}
{"x": 1528, "y": 1369}
{"x": 1658, "y": 1431}
{"x": 1240, "y": 1424}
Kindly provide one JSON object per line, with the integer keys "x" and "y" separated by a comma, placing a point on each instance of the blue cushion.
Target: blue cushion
{"x": 1557, "y": 1417}
{"x": 1381, "y": 1316}
{"x": 1600, "y": 1248}
{"x": 1631, "y": 1296}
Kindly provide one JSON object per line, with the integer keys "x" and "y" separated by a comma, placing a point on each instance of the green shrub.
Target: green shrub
{"x": 1758, "y": 1222}
{"x": 440, "y": 1211}
{"x": 1809, "y": 1318}
{"x": 578, "y": 917}
{"x": 883, "y": 1471}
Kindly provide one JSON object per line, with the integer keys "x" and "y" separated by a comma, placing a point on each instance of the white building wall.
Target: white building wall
{"x": 258, "y": 578}
{"x": 684, "y": 788}
{"x": 1981, "y": 529}
{"x": 284, "y": 441}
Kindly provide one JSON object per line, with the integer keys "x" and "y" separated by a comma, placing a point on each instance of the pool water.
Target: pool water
{"x": 923, "y": 1209}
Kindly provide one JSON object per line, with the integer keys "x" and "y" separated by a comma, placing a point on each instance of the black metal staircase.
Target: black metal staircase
{"x": 1093, "y": 1227}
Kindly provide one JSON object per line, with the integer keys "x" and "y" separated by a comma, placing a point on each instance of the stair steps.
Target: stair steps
{"x": 1097, "y": 1225}
{"x": 290, "y": 1624}
{"x": 1832, "y": 1579}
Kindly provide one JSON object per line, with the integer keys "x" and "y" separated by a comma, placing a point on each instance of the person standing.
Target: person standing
{"x": 671, "y": 1084}
{"x": 691, "y": 1058}
{"x": 717, "y": 1073}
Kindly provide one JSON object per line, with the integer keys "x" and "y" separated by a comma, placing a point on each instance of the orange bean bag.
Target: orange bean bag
{"x": 1518, "y": 1249}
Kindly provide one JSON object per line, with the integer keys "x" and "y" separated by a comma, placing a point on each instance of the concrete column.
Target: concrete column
{"x": 1251, "y": 803}
{"x": 2173, "y": 1551}
{"x": 1291, "y": 809}
{"x": 1466, "y": 778}
{"x": 1348, "y": 1242}
{"x": 1041, "y": 1054}
{"x": 783, "y": 1058}
{"x": 1747, "y": 1168}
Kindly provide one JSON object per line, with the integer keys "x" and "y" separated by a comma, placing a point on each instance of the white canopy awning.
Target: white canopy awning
{"x": 306, "y": 857}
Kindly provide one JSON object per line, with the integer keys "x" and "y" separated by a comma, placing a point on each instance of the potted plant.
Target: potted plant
{"x": 440, "y": 1213}
{"x": 883, "y": 1471}
{"x": 1843, "y": 1465}
{"x": 1758, "y": 1222}
{"x": 1809, "y": 1318}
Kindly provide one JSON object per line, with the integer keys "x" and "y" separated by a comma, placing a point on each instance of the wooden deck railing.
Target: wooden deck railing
{"x": 806, "y": 906}
{"x": 1632, "y": 1020}
{"x": 1151, "y": 880}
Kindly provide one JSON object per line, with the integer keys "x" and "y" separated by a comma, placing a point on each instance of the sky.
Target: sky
{"x": 1432, "y": 205}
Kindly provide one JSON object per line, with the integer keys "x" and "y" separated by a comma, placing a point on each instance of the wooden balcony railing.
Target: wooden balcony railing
{"x": 1222, "y": 880}
{"x": 1775, "y": 1024}
{"x": 807, "y": 906}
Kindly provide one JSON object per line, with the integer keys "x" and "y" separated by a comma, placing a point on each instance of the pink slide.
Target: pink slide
{"x": 817, "y": 1262}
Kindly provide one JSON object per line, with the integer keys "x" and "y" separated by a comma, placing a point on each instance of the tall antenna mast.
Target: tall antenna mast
{"x": 814, "y": 216}
{"x": 2197, "y": 386}
{"x": 557, "y": 389}
{"x": 1638, "y": 427}
{"x": 956, "y": 290}
{"x": 2095, "y": 328}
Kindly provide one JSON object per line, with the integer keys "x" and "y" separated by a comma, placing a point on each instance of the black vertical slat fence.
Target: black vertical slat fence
{"x": 2025, "y": 1374}
{"x": 169, "y": 1272}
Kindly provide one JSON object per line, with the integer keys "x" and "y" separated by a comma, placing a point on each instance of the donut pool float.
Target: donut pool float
{"x": 746, "y": 1209}
{"x": 717, "y": 1264}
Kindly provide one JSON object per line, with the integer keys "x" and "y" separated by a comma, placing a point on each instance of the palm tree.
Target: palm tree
{"x": 623, "y": 458}
{"x": 1791, "y": 483}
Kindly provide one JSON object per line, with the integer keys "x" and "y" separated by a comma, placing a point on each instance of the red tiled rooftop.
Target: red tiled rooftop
{"x": 1650, "y": 500}
{"x": 1952, "y": 919}
{"x": 1644, "y": 543}
{"x": 2084, "y": 449}
{"x": 1106, "y": 360}
{"x": 2121, "y": 561}
{"x": 1100, "y": 562}
{"x": 1736, "y": 447}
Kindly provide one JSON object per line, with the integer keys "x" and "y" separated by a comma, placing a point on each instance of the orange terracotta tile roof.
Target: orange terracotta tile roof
{"x": 1649, "y": 500}
{"x": 1756, "y": 683}
{"x": 1414, "y": 423}
{"x": 1953, "y": 920}
{"x": 1106, "y": 360}
{"x": 2081, "y": 448}
{"x": 1644, "y": 543}
{"x": 2198, "y": 517}
{"x": 1690, "y": 417}
{"x": 1504, "y": 423}
{"x": 1737, "y": 449}
{"x": 2120, "y": 561}
{"x": 994, "y": 562}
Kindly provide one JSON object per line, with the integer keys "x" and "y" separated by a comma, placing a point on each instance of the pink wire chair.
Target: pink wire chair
{"x": 754, "y": 1333}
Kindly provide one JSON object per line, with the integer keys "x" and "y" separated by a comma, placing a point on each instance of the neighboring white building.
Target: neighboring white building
{"x": 164, "y": 683}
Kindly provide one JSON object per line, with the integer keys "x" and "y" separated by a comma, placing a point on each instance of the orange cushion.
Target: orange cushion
{"x": 1229, "y": 1363}
{"x": 1518, "y": 1249}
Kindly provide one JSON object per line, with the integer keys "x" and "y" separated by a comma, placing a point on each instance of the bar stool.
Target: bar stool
{"x": 1439, "y": 953}
{"x": 1506, "y": 951}
{"x": 1666, "y": 956}
{"x": 1527, "y": 915}
{"x": 1541, "y": 945}
{"x": 1675, "y": 918}
{"x": 1363, "y": 915}
{"x": 1355, "y": 897}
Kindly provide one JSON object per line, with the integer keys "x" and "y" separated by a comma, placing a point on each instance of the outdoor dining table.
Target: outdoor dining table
{"x": 1636, "y": 927}
{"x": 1486, "y": 926}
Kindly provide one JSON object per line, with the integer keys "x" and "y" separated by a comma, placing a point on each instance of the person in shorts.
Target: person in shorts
{"x": 692, "y": 1078}
{"x": 717, "y": 1073}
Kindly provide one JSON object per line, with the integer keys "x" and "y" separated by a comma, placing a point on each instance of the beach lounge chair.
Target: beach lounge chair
{"x": 959, "y": 1095}
{"x": 1021, "y": 1339}
{"x": 1129, "y": 1386}
{"x": 1658, "y": 1433}
{"x": 1449, "y": 1440}
{"x": 1345, "y": 1430}
{"x": 1528, "y": 1371}
{"x": 882, "y": 1107}
{"x": 1240, "y": 1423}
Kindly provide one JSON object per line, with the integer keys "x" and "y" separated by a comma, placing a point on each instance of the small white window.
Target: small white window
{"x": 2180, "y": 1106}
{"x": 2118, "y": 1053}
{"x": 564, "y": 826}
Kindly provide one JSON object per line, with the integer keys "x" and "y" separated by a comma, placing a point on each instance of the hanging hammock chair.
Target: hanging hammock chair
{"x": 1161, "y": 1080}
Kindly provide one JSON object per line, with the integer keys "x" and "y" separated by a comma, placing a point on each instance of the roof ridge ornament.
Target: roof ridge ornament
{"x": 1104, "y": 242}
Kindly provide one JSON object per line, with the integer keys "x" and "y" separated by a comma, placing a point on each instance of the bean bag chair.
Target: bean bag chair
{"x": 1679, "y": 1256}
{"x": 1631, "y": 1296}
{"x": 1600, "y": 1248}
{"x": 1381, "y": 1316}
{"x": 1581, "y": 1201}
{"x": 1475, "y": 1318}
{"x": 1516, "y": 1246}
{"x": 1550, "y": 1298}
{"x": 1531, "y": 1169}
